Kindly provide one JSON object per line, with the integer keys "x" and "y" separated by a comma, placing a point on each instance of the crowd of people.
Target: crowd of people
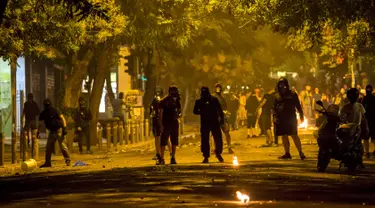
{"x": 219, "y": 113}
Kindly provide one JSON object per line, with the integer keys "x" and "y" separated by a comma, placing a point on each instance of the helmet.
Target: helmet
{"x": 159, "y": 91}
{"x": 30, "y": 96}
{"x": 352, "y": 94}
{"x": 218, "y": 88}
{"x": 173, "y": 91}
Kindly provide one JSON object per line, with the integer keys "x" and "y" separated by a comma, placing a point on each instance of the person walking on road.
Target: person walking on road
{"x": 212, "y": 117}
{"x": 285, "y": 104}
{"x": 223, "y": 103}
{"x": 170, "y": 112}
{"x": 156, "y": 123}
{"x": 30, "y": 113}
{"x": 267, "y": 106}
{"x": 251, "y": 108}
{"x": 56, "y": 124}
{"x": 82, "y": 119}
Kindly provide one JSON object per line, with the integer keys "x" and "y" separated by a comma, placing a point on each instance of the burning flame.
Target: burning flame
{"x": 304, "y": 124}
{"x": 243, "y": 197}
{"x": 235, "y": 161}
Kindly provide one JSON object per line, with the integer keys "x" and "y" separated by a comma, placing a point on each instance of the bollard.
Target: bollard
{"x": 131, "y": 135}
{"x": 108, "y": 134}
{"x": 14, "y": 149}
{"x": 100, "y": 137}
{"x": 35, "y": 148}
{"x": 25, "y": 148}
{"x": 127, "y": 132}
{"x": 146, "y": 128}
{"x": 115, "y": 133}
{"x": 1, "y": 148}
{"x": 137, "y": 131}
{"x": 142, "y": 131}
{"x": 121, "y": 132}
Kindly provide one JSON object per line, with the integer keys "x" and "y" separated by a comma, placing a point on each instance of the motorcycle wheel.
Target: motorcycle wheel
{"x": 323, "y": 160}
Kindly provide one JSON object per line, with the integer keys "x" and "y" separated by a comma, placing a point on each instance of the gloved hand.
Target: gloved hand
{"x": 64, "y": 131}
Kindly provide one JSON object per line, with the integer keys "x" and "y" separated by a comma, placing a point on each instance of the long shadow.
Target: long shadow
{"x": 273, "y": 180}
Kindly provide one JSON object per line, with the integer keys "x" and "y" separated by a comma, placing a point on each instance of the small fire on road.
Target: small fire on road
{"x": 243, "y": 197}
{"x": 235, "y": 161}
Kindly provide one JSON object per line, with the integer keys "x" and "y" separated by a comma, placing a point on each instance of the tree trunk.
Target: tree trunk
{"x": 111, "y": 95}
{"x": 13, "y": 82}
{"x": 105, "y": 60}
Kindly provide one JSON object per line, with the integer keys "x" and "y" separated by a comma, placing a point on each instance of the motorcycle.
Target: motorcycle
{"x": 338, "y": 140}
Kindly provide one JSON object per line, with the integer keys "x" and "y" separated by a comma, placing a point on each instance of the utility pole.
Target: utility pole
{"x": 352, "y": 66}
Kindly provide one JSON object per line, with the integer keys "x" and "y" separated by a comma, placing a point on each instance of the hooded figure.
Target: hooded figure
{"x": 170, "y": 112}
{"x": 56, "y": 124}
{"x": 30, "y": 113}
{"x": 82, "y": 119}
{"x": 212, "y": 118}
{"x": 285, "y": 119}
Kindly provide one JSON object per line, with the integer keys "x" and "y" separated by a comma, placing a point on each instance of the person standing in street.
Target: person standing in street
{"x": 156, "y": 123}
{"x": 225, "y": 127}
{"x": 30, "y": 113}
{"x": 306, "y": 98}
{"x": 170, "y": 112}
{"x": 212, "y": 118}
{"x": 56, "y": 124}
{"x": 368, "y": 103}
{"x": 119, "y": 107}
{"x": 285, "y": 104}
{"x": 316, "y": 96}
{"x": 251, "y": 107}
{"x": 82, "y": 119}
{"x": 242, "y": 109}
{"x": 233, "y": 105}
{"x": 267, "y": 105}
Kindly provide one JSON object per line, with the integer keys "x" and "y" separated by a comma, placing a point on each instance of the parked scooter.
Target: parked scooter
{"x": 338, "y": 141}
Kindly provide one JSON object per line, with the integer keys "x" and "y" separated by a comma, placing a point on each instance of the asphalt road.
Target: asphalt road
{"x": 131, "y": 180}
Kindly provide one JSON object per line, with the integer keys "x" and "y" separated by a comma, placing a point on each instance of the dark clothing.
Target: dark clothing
{"x": 155, "y": 116}
{"x": 30, "y": 125}
{"x": 170, "y": 131}
{"x": 52, "y": 138}
{"x": 233, "y": 105}
{"x": 368, "y": 103}
{"x": 48, "y": 115}
{"x": 205, "y": 140}
{"x": 212, "y": 117}
{"x": 31, "y": 110}
{"x": 285, "y": 118}
{"x": 252, "y": 104}
{"x": 156, "y": 127}
{"x": 265, "y": 121}
{"x": 84, "y": 136}
{"x": 210, "y": 111}
{"x": 171, "y": 108}
{"x": 82, "y": 117}
{"x": 267, "y": 107}
{"x": 155, "y": 108}
{"x": 251, "y": 121}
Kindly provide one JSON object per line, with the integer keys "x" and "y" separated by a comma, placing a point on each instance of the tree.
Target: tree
{"x": 78, "y": 8}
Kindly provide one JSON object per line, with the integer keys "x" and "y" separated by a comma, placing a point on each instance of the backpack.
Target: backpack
{"x": 55, "y": 123}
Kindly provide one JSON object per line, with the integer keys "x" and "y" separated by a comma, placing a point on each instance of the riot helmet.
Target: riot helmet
{"x": 47, "y": 103}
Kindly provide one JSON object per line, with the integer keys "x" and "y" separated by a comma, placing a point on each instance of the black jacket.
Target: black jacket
{"x": 210, "y": 111}
{"x": 82, "y": 117}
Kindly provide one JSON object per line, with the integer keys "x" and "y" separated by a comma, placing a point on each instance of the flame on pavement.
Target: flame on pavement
{"x": 304, "y": 124}
{"x": 243, "y": 197}
{"x": 235, "y": 161}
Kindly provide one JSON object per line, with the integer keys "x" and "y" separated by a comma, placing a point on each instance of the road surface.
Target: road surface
{"x": 130, "y": 179}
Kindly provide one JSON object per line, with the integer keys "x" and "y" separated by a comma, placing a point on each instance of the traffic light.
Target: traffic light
{"x": 126, "y": 66}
